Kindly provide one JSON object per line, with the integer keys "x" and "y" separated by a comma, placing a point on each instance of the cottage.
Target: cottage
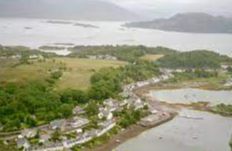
{"x": 138, "y": 104}
{"x": 58, "y": 124}
{"x": 105, "y": 127}
{"x": 153, "y": 111}
{"x": 36, "y": 57}
{"x": 109, "y": 57}
{"x": 106, "y": 123}
{"x": 104, "y": 57}
{"x": 92, "y": 57}
{"x": 225, "y": 66}
{"x": 228, "y": 83}
{"x": 78, "y": 131}
{"x": 92, "y": 133}
{"x": 135, "y": 102}
{"x": 164, "y": 77}
{"x": 111, "y": 104}
{"x": 29, "y": 133}
{"x": 142, "y": 83}
{"x": 78, "y": 122}
{"x": 49, "y": 147}
{"x": 155, "y": 80}
{"x": 125, "y": 94}
{"x": 180, "y": 70}
{"x": 105, "y": 113}
{"x": 43, "y": 138}
{"x": 78, "y": 110}
{"x": 16, "y": 57}
{"x": 83, "y": 139}
{"x": 123, "y": 103}
{"x": 22, "y": 143}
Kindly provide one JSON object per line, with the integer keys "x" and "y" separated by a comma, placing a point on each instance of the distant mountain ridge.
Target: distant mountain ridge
{"x": 65, "y": 9}
{"x": 189, "y": 22}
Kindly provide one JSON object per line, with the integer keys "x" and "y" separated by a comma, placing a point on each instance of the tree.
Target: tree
{"x": 66, "y": 110}
{"x": 56, "y": 136}
{"x": 56, "y": 75}
{"x": 231, "y": 142}
{"x": 92, "y": 108}
{"x": 24, "y": 59}
{"x": 74, "y": 97}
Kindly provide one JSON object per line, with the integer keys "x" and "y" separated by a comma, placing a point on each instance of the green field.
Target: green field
{"x": 151, "y": 57}
{"x": 76, "y": 76}
{"x": 80, "y": 70}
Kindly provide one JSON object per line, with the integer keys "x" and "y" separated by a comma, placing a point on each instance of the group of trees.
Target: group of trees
{"x": 125, "y": 53}
{"x": 29, "y": 104}
{"x": 108, "y": 82}
{"x": 129, "y": 117}
{"x": 223, "y": 109}
{"x": 33, "y": 103}
{"x": 36, "y": 102}
{"x": 25, "y": 52}
{"x": 201, "y": 59}
{"x": 193, "y": 74}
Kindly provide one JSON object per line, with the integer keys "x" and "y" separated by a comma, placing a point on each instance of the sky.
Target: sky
{"x": 165, "y": 8}
{"x": 152, "y": 9}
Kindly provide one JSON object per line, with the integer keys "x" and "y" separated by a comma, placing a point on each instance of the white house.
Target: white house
{"x": 58, "y": 124}
{"x": 23, "y": 143}
{"x": 29, "y": 133}
{"x": 78, "y": 110}
{"x": 78, "y": 122}
{"x": 111, "y": 104}
{"x": 43, "y": 138}
{"x": 105, "y": 113}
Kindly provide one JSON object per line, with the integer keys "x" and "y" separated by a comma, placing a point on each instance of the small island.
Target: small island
{"x": 85, "y": 25}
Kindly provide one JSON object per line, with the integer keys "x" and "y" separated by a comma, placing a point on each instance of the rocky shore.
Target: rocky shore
{"x": 129, "y": 133}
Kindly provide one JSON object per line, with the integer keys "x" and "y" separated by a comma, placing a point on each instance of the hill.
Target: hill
{"x": 201, "y": 59}
{"x": 189, "y": 22}
{"x": 64, "y": 9}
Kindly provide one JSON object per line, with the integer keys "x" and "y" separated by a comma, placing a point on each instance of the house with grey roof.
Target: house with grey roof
{"x": 111, "y": 104}
{"x": 58, "y": 124}
{"x": 29, "y": 133}
{"x": 105, "y": 127}
{"x": 22, "y": 143}
{"x": 105, "y": 113}
{"x": 135, "y": 102}
{"x": 78, "y": 122}
{"x": 78, "y": 110}
{"x": 44, "y": 138}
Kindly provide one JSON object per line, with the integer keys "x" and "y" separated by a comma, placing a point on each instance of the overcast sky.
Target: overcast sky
{"x": 169, "y": 7}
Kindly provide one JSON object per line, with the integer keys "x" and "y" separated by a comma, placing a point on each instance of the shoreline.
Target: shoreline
{"x": 127, "y": 134}
{"x": 137, "y": 129}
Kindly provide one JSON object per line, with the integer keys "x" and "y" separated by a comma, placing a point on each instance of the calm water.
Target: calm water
{"x": 37, "y": 32}
{"x": 193, "y": 95}
{"x": 211, "y": 133}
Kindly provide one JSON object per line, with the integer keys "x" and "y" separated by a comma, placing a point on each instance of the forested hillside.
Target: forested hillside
{"x": 194, "y": 59}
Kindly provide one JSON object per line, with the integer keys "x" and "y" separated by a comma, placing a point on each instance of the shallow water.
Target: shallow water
{"x": 203, "y": 132}
{"x": 37, "y": 32}
{"x": 189, "y": 95}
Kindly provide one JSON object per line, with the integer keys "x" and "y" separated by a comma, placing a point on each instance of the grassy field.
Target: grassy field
{"x": 76, "y": 76}
{"x": 25, "y": 72}
{"x": 151, "y": 57}
{"x": 80, "y": 70}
